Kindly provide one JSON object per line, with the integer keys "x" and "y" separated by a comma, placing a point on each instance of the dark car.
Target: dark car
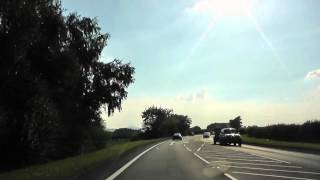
{"x": 177, "y": 136}
{"x": 228, "y": 136}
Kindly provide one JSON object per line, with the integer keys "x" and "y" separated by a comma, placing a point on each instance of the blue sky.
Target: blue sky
{"x": 214, "y": 59}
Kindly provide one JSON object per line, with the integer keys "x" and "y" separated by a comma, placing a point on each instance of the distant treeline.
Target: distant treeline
{"x": 306, "y": 132}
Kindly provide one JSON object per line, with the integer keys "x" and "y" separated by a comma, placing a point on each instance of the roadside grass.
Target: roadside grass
{"x": 72, "y": 166}
{"x": 281, "y": 144}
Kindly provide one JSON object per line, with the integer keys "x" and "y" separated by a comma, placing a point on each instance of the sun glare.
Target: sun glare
{"x": 224, "y": 8}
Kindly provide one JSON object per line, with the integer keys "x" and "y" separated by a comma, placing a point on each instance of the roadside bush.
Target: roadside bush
{"x": 125, "y": 133}
{"x": 243, "y": 130}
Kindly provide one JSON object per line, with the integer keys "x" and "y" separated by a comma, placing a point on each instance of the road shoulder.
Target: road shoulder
{"x": 105, "y": 169}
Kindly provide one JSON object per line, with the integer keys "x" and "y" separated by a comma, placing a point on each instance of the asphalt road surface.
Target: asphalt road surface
{"x": 198, "y": 158}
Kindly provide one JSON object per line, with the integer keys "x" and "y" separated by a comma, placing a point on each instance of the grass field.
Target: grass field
{"x": 281, "y": 144}
{"x": 72, "y": 166}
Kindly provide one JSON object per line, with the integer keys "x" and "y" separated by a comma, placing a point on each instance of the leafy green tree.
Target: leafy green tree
{"x": 211, "y": 127}
{"x": 52, "y": 84}
{"x": 176, "y": 123}
{"x": 183, "y": 124}
{"x": 236, "y": 122}
{"x": 159, "y": 122}
{"x": 196, "y": 129}
{"x": 153, "y": 117}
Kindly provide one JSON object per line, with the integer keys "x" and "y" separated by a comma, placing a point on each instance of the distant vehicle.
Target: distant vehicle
{"x": 177, "y": 136}
{"x": 206, "y": 134}
{"x": 192, "y": 134}
{"x": 228, "y": 136}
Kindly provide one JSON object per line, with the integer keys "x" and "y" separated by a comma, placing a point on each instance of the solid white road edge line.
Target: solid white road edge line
{"x": 264, "y": 169}
{"x": 270, "y": 175}
{"x": 229, "y": 176}
{"x": 201, "y": 158}
{"x": 119, "y": 171}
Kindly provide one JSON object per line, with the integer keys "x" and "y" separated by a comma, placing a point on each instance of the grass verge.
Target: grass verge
{"x": 313, "y": 147}
{"x": 70, "y": 167}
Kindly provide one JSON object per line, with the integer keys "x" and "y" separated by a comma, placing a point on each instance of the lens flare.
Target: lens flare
{"x": 224, "y": 7}
{"x": 268, "y": 42}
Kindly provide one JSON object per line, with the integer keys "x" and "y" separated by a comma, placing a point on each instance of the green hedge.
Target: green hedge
{"x": 306, "y": 132}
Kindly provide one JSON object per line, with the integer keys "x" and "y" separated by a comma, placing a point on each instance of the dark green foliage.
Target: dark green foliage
{"x": 243, "y": 130}
{"x": 97, "y": 139}
{"x": 236, "y": 123}
{"x": 52, "y": 86}
{"x": 307, "y": 132}
{"x": 162, "y": 122}
{"x": 125, "y": 133}
{"x": 211, "y": 127}
{"x": 196, "y": 130}
{"x": 216, "y": 127}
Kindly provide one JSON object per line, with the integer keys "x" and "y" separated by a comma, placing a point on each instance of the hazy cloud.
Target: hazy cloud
{"x": 313, "y": 74}
{"x": 203, "y": 113}
{"x": 196, "y": 96}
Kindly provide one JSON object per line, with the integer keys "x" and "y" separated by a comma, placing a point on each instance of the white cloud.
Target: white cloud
{"x": 315, "y": 74}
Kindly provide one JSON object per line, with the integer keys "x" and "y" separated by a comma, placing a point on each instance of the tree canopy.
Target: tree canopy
{"x": 160, "y": 122}
{"x": 236, "y": 123}
{"x": 211, "y": 127}
{"x": 52, "y": 84}
{"x": 196, "y": 129}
